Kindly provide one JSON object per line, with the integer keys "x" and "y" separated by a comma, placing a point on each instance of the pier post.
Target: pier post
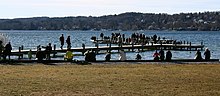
{"x": 190, "y": 44}
{"x": 97, "y": 47}
{"x": 22, "y": 48}
{"x": 202, "y": 45}
{"x": 54, "y": 50}
{"x": 84, "y": 48}
{"x": 110, "y": 45}
{"x": 175, "y": 46}
{"x": 19, "y": 52}
{"x": 132, "y": 47}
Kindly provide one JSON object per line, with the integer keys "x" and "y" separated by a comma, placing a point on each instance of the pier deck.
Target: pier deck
{"x": 179, "y": 47}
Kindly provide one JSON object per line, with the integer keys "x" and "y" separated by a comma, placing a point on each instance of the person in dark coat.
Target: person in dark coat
{"x": 138, "y": 56}
{"x": 207, "y": 54}
{"x": 87, "y": 56}
{"x": 168, "y": 55}
{"x": 48, "y": 51}
{"x": 156, "y": 56}
{"x": 68, "y": 42}
{"x": 93, "y": 56}
{"x": 40, "y": 55}
{"x": 198, "y": 55}
{"x": 161, "y": 53}
{"x": 7, "y": 51}
{"x": 108, "y": 57}
{"x": 61, "y": 41}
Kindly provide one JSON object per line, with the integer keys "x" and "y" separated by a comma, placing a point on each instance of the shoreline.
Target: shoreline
{"x": 110, "y": 63}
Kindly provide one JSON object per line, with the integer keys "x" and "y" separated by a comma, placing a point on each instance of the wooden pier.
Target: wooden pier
{"x": 109, "y": 48}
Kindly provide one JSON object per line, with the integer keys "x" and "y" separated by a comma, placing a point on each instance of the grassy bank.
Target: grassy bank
{"x": 123, "y": 79}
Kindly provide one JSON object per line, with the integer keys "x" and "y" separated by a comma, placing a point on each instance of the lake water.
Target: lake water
{"x": 31, "y": 39}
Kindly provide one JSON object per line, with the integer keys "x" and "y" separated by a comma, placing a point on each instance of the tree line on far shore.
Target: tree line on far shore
{"x": 201, "y": 21}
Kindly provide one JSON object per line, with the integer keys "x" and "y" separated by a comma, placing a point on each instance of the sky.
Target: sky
{"x": 10, "y": 9}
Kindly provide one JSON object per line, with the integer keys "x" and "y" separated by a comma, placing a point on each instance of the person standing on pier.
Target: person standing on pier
{"x": 207, "y": 54}
{"x": 68, "y": 42}
{"x": 61, "y": 41}
{"x": 48, "y": 51}
{"x": 102, "y": 35}
{"x": 7, "y": 51}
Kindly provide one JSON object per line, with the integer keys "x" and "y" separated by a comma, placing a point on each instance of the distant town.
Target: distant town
{"x": 201, "y": 21}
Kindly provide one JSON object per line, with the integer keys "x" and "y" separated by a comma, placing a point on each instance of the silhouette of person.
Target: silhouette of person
{"x": 207, "y": 54}
{"x": 39, "y": 55}
{"x": 93, "y": 56}
{"x": 68, "y": 42}
{"x": 138, "y": 56}
{"x": 168, "y": 55}
{"x": 7, "y": 51}
{"x": 101, "y": 35}
{"x": 87, "y": 56}
{"x": 48, "y": 51}
{"x": 61, "y": 41}
{"x": 198, "y": 55}
{"x": 108, "y": 57}
{"x": 161, "y": 55}
{"x": 156, "y": 56}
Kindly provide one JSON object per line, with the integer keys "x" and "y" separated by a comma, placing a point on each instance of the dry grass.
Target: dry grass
{"x": 116, "y": 80}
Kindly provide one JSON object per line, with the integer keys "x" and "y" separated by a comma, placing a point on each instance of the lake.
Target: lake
{"x": 31, "y": 39}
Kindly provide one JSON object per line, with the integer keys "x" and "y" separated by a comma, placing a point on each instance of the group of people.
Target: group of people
{"x": 40, "y": 55}
{"x": 90, "y": 56}
{"x": 68, "y": 41}
{"x": 5, "y": 50}
{"x": 161, "y": 55}
{"x": 207, "y": 54}
{"x": 198, "y": 56}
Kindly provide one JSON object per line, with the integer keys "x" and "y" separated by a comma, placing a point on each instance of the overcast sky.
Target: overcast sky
{"x": 62, "y": 8}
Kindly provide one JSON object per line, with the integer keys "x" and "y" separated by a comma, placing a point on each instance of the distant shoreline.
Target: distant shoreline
{"x": 206, "y": 21}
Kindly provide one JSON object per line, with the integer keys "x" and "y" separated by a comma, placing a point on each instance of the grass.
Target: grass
{"x": 110, "y": 79}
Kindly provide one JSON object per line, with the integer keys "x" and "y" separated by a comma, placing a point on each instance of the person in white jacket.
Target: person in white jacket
{"x": 122, "y": 55}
